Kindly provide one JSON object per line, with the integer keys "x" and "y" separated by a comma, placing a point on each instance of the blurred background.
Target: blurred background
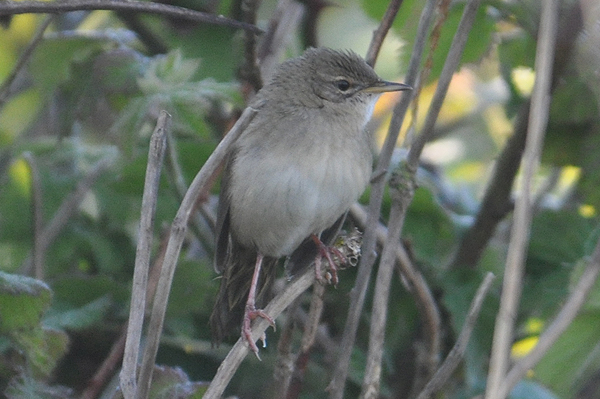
{"x": 75, "y": 124}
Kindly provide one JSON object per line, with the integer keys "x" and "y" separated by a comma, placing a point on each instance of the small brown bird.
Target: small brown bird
{"x": 293, "y": 173}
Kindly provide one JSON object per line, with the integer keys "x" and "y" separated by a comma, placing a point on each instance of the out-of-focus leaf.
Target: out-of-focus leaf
{"x": 167, "y": 71}
{"x": 44, "y": 347}
{"x": 23, "y": 300}
{"x": 531, "y": 390}
{"x": 428, "y": 228}
{"x": 558, "y": 238}
{"x": 80, "y": 318}
{"x": 573, "y": 358}
{"x": 51, "y": 62}
{"x": 173, "y": 383}
{"x": 24, "y": 387}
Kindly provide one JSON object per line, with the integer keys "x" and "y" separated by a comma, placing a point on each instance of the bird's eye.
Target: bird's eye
{"x": 342, "y": 84}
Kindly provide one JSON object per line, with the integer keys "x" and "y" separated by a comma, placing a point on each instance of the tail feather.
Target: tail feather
{"x": 227, "y": 314}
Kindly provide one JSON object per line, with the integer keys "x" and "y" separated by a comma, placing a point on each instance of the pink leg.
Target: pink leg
{"x": 326, "y": 252}
{"x": 251, "y": 312}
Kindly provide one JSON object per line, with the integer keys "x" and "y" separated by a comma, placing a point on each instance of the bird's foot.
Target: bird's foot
{"x": 328, "y": 253}
{"x": 250, "y": 314}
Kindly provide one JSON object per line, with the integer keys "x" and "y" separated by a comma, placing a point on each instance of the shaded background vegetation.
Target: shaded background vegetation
{"x": 74, "y": 132}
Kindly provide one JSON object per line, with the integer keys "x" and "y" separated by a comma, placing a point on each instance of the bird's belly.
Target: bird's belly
{"x": 279, "y": 203}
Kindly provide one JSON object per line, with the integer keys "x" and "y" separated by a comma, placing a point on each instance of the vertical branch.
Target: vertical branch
{"x": 538, "y": 118}
{"x": 178, "y": 230}
{"x": 403, "y": 186}
{"x": 560, "y": 323}
{"x": 137, "y": 309}
{"x": 381, "y": 32}
{"x": 249, "y": 71}
{"x": 283, "y": 23}
{"x": 456, "y": 354}
{"x": 357, "y": 296}
{"x": 308, "y": 339}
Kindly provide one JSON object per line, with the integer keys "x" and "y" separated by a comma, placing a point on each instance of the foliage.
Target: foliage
{"x": 91, "y": 93}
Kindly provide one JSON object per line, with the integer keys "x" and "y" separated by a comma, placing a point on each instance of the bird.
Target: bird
{"x": 290, "y": 178}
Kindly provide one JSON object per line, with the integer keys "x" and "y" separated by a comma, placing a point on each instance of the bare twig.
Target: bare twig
{"x": 560, "y": 323}
{"x": 456, "y": 354}
{"x": 403, "y": 185}
{"x": 538, "y": 118}
{"x": 203, "y": 228}
{"x": 308, "y": 339}
{"x": 283, "y": 23}
{"x": 105, "y": 371}
{"x": 450, "y": 66}
{"x": 284, "y": 367}
{"x": 67, "y": 209}
{"x": 381, "y": 32}
{"x": 42, "y": 7}
{"x": 357, "y": 296}
{"x": 371, "y": 381}
{"x": 418, "y": 287}
{"x": 5, "y": 89}
{"x": 249, "y": 71}
{"x": 38, "y": 217}
{"x": 241, "y": 349}
{"x": 156, "y": 154}
{"x": 497, "y": 201}
{"x": 178, "y": 230}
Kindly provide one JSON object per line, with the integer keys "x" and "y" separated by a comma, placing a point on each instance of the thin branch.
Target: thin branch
{"x": 67, "y": 209}
{"x": 381, "y": 32}
{"x": 357, "y": 296}
{"x": 105, "y": 371}
{"x": 400, "y": 188}
{"x": 240, "y": 349}
{"x": 284, "y": 366}
{"x": 538, "y": 118}
{"x": 5, "y": 89}
{"x": 202, "y": 228}
{"x": 249, "y": 72}
{"x": 418, "y": 288}
{"x": 178, "y": 230}
{"x": 283, "y": 23}
{"x": 450, "y": 66}
{"x": 402, "y": 185}
{"x": 497, "y": 201}
{"x": 457, "y": 352}
{"x": 560, "y": 323}
{"x": 308, "y": 339}
{"x": 156, "y": 154}
{"x": 38, "y": 217}
{"x": 42, "y": 7}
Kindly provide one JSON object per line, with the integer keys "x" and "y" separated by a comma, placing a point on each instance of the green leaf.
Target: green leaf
{"x": 558, "y": 238}
{"x": 25, "y": 387}
{"x": 573, "y": 358}
{"x": 79, "y": 318}
{"x": 52, "y": 60}
{"x": 23, "y": 301}
{"x": 44, "y": 347}
{"x": 172, "y": 382}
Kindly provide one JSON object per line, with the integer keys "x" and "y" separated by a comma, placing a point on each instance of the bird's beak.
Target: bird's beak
{"x": 382, "y": 87}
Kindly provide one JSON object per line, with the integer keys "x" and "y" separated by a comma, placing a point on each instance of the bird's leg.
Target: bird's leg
{"x": 251, "y": 312}
{"x": 326, "y": 252}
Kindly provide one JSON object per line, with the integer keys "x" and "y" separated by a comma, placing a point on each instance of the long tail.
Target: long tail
{"x": 227, "y": 314}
